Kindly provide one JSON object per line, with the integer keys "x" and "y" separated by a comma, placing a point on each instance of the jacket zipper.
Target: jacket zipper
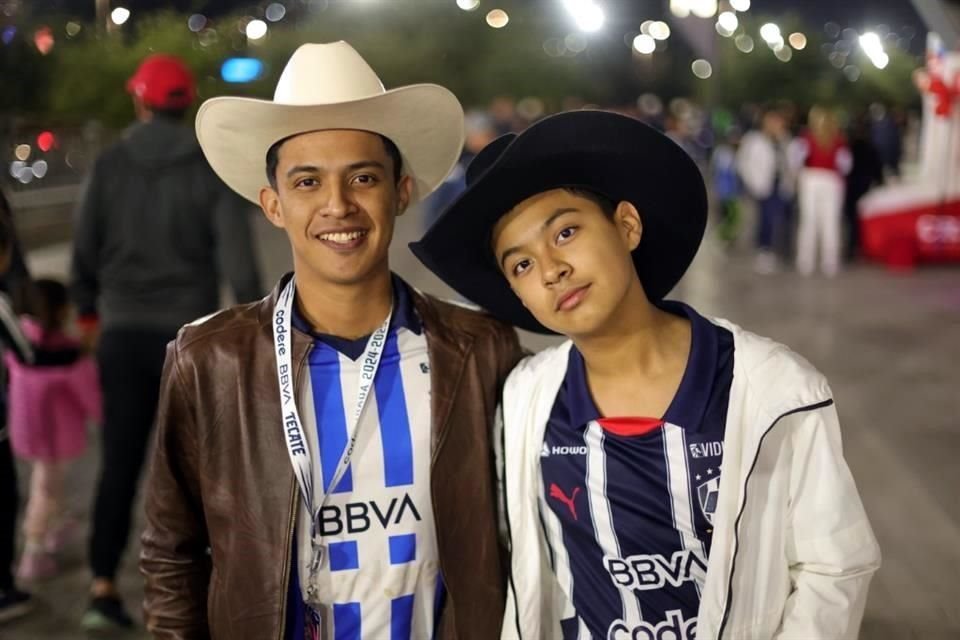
{"x": 736, "y": 527}
{"x": 291, "y": 531}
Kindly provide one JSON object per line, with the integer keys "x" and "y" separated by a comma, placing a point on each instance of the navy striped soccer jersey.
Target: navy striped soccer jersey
{"x": 379, "y": 577}
{"x": 627, "y": 503}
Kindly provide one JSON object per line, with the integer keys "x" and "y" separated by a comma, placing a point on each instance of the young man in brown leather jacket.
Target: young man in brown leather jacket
{"x": 324, "y": 461}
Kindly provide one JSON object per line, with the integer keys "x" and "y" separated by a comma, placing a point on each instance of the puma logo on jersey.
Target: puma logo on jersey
{"x": 557, "y": 492}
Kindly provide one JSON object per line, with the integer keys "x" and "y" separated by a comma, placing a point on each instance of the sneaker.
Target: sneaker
{"x": 14, "y": 603}
{"x": 106, "y": 614}
{"x": 37, "y": 565}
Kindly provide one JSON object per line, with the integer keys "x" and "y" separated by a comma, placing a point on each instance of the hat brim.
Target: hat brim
{"x": 424, "y": 121}
{"x": 614, "y": 155}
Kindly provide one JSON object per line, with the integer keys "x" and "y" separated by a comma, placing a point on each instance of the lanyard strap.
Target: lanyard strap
{"x": 292, "y": 426}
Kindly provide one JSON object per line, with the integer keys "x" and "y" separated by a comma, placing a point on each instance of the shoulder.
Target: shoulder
{"x": 775, "y": 371}
{"x": 464, "y": 318}
{"x": 230, "y": 330}
{"x": 535, "y": 368}
{"x": 110, "y": 156}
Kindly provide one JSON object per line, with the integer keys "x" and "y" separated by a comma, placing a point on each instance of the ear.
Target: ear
{"x": 270, "y": 205}
{"x": 628, "y": 223}
{"x": 404, "y": 194}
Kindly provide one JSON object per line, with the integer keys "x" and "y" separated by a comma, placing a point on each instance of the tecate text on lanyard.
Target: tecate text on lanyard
{"x": 292, "y": 426}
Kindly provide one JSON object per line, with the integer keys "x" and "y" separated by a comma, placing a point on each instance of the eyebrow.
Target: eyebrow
{"x": 546, "y": 223}
{"x": 362, "y": 164}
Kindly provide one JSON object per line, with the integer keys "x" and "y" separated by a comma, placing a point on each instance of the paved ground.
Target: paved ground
{"x": 890, "y": 345}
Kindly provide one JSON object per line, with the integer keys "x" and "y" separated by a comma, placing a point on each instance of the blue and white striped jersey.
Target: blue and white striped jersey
{"x": 380, "y": 574}
{"x": 627, "y": 503}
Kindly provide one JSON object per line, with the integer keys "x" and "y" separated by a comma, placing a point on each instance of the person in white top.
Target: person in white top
{"x": 769, "y": 178}
{"x": 824, "y": 159}
{"x": 580, "y": 226}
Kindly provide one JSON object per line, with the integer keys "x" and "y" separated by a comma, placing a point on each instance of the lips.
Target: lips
{"x": 572, "y": 298}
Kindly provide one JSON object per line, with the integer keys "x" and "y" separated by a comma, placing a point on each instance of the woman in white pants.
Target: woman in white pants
{"x": 825, "y": 159}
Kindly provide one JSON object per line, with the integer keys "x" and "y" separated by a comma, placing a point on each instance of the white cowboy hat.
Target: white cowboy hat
{"x": 329, "y": 86}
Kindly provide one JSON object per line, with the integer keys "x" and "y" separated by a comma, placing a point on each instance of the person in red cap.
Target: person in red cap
{"x": 156, "y": 232}
{"x": 162, "y": 83}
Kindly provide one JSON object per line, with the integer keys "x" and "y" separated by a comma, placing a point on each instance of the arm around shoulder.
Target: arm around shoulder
{"x": 174, "y": 558}
{"x": 831, "y": 547}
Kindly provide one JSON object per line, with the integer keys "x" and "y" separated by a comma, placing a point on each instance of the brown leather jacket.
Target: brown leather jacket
{"x": 221, "y": 498}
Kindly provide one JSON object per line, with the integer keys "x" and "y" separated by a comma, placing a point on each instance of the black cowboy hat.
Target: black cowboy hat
{"x": 614, "y": 155}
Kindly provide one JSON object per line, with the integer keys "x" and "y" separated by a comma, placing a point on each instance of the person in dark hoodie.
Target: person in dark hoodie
{"x": 13, "y": 273}
{"x": 155, "y": 233}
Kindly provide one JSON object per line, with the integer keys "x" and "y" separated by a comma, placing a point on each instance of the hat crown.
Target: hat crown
{"x": 326, "y": 74}
{"x": 488, "y": 157}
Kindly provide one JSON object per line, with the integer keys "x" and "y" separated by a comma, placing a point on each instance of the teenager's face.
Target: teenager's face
{"x": 337, "y": 200}
{"x": 567, "y": 260}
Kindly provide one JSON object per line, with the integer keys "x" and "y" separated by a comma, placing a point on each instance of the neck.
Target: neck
{"x": 636, "y": 341}
{"x": 347, "y": 311}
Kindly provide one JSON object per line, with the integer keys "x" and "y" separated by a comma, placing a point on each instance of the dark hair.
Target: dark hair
{"x": 49, "y": 299}
{"x": 177, "y": 96}
{"x": 273, "y": 158}
{"x": 170, "y": 114}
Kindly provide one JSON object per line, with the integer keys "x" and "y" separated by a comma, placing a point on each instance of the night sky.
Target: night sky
{"x": 623, "y": 16}
{"x": 858, "y": 14}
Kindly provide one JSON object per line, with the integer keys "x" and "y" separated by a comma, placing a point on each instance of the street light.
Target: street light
{"x": 873, "y": 47}
{"x": 256, "y": 29}
{"x": 644, "y": 44}
{"x": 498, "y": 18}
{"x": 702, "y": 69}
{"x": 120, "y": 15}
{"x": 587, "y": 14}
{"x": 727, "y": 24}
{"x": 744, "y": 43}
{"x": 704, "y": 8}
{"x": 659, "y": 30}
{"x": 680, "y": 8}
{"x": 728, "y": 20}
{"x": 770, "y": 33}
{"x": 275, "y": 12}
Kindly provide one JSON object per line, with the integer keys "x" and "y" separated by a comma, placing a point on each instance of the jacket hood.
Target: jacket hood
{"x": 160, "y": 143}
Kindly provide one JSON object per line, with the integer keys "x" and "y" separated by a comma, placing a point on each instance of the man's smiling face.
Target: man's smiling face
{"x": 337, "y": 198}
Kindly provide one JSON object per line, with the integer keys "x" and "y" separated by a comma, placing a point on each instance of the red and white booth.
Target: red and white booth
{"x": 919, "y": 220}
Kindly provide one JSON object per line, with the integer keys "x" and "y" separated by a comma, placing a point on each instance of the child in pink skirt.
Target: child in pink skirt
{"x": 49, "y": 410}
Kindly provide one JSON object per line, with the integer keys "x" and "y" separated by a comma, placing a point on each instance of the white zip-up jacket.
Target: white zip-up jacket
{"x": 757, "y": 166}
{"x": 792, "y": 552}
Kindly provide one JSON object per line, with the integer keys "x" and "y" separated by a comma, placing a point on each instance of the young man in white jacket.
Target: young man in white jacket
{"x": 664, "y": 476}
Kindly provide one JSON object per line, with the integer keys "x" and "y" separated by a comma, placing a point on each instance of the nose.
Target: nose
{"x": 336, "y": 201}
{"x": 554, "y": 269}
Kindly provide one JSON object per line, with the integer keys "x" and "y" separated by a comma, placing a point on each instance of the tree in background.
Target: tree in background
{"x": 82, "y": 77}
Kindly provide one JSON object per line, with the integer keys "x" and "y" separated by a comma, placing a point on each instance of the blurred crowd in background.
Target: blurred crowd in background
{"x": 762, "y": 164}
